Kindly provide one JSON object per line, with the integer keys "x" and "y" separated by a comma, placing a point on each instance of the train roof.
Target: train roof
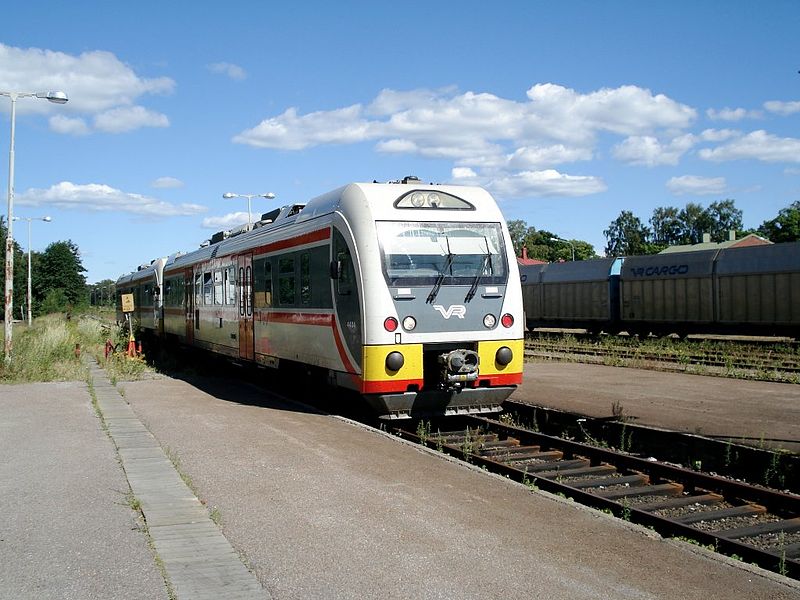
{"x": 773, "y": 258}
{"x": 582, "y": 270}
{"x": 697, "y": 263}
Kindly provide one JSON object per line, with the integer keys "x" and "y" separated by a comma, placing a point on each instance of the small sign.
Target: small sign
{"x": 127, "y": 303}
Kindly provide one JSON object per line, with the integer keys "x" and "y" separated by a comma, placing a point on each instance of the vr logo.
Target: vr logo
{"x": 455, "y": 310}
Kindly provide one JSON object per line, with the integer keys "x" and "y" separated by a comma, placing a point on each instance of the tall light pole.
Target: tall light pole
{"x": 229, "y": 195}
{"x": 57, "y": 98}
{"x": 571, "y": 245}
{"x": 30, "y": 296}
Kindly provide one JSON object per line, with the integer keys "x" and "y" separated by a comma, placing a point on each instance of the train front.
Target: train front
{"x": 443, "y": 303}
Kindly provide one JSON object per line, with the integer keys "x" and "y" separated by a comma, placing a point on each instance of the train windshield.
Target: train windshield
{"x": 417, "y": 253}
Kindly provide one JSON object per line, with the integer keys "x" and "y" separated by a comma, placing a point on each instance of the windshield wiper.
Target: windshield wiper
{"x": 474, "y": 288}
{"x": 440, "y": 278}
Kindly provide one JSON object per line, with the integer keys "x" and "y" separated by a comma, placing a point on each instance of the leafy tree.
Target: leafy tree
{"x": 60, "y": 268}
{"x": 627, "y": 236}
{"x": 666, "y": 226}
{"x": 785, "y": 227}
{"x": 518, "y": 230}
{"x": 723, "y": 217}
{"x": 696, "y": 221}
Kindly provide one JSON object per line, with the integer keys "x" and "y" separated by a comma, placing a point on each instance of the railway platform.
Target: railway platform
{"x": 757, "y": 413}
{"x": 315, "y": 506}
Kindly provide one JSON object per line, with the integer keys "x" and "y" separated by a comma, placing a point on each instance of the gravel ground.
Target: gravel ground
{"x": 66, "y": 531}
{"x": 325, "y": 509}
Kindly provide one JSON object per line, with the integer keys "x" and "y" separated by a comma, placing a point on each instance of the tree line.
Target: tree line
{"x": 58, "y": 283}
{"x": 628, "y": 235}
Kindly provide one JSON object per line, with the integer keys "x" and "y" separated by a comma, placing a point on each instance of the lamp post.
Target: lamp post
{"x": 57, "y": 98}
{"x": 30, "y": 296}
{"x": 229, "y": 195}
{"x": 571, "y": 245}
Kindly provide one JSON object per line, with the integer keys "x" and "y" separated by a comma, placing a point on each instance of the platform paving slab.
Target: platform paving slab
{"x": 66, "y": 531}
{"x": 197, "y": 566}
{"x": 323, "y": 508}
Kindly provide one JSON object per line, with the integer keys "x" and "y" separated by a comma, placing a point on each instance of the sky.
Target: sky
{"x": 567, "y": 112}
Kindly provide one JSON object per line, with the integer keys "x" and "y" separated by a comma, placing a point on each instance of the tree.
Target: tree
{"x": 723, "y": 217}
{"x": 518, "y": 230}
{"x": 60, "y": 268}
{"x": 696, "y": 221}
{"x": 627, "y": 236}
{"x": 785, "y": 227}
{"x": 666, "y": 226}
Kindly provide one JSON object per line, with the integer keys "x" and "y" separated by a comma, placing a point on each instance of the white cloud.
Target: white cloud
{"x": 649, "y": 151}
{"x": 97, "y": 83}
{"x": 463, "y": 174}
{"x": 544, "y": 156}
{"x": 230, "y": 70}
{"x": 167, "y": 183}
{"x": 732, "y": 114}
{"x": 545, "y": 183}
{"x": 69, "y": 125}
{"x": 696, "y": 185}
{"x": 758, "y": 145}
{"x": 718, "y": 135}
{"x": 782, "y": 108}
{"x": 128, "y": 118}
{"x": 225, "y": 222}
{"x": 101, "y": 197}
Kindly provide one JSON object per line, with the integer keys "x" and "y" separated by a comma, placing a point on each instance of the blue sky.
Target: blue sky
{"x": 568, "y": 112}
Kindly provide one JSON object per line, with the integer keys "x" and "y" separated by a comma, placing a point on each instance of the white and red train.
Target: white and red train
{"x": 404, "y": 292}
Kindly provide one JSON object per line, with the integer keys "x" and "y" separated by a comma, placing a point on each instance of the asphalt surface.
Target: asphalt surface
{"x": 317, "y": 506}
{"x": 322, "y": 508}
{"x": 66, "y": 530}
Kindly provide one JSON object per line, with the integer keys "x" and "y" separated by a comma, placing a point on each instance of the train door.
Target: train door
{"x": 188, "y": 302}
{"x": 245, "y": 287}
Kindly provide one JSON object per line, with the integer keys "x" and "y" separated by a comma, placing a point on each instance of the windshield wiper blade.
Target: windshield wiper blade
{"x": 440, "y": 279}
{"x": 474, "y": 288}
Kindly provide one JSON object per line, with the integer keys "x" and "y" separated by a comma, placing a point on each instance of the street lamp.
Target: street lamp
{"x": 229, "y": 195}
{"x": 57, "y": 98}
{"x": 571, "y": 245}
{"x": 30, "y": 296}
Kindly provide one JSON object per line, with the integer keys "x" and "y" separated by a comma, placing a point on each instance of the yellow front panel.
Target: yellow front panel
{"x": 375, "y": 362}
{"x": 487, "y": 351}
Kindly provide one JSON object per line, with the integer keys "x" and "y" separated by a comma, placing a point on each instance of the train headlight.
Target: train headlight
{"x": 489, "y": 321}
{"x": 507, "y": 320}
{"x": 418, "y": 199}
{"x": 394, "y": 361}
{"x": 434, "y": 200}
{"x": 390, "y": 324}
{"x": 503, "y": 356}
{"x": 409, "y": 323}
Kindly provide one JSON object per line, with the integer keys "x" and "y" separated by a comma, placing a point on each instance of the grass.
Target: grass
{"x": 50, "y": 350}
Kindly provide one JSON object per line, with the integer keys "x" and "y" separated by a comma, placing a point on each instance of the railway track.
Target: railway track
{"x": 734, "y": 360}
{"x": 754, "y": 524}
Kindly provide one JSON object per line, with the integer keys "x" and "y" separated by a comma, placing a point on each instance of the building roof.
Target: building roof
{"x": 749, "y": 240}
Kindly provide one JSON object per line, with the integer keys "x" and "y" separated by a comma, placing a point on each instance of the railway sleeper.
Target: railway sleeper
{"x": 457, "y": 437}
{"x": 786, "y": 526}
{"x": 604, "y": 469}
{"x": 682, "y": 501}
{"x": 662, "y": 489}
{"x": 509, "y": 443}
{"x": 510, "y": 450}
{"x": 722, "y": 513}
{"x": 549, "y": 455}
{"x": 632, "y": 480}
{"x": 544, "y": 466}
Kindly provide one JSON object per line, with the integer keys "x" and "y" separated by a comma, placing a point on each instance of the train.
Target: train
{"x": 752, "y": 290}
{"x": 407, "y": 293}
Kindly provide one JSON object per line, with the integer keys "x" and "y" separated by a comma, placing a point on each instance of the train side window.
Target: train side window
{"x": 305, "y": 279}
{"x": 218, "y": 287}
{"x": 198, "y": 289}
{"x": 286, "y": 281}
{"x": 230, "y": 285}
{"x": 208, "y": 290}
{"x": 268, "y": 283}
{"x": 344, "y": 284}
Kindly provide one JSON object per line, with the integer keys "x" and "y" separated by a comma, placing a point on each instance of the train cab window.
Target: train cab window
{"x": 230, "y": 285}
{"x": 286, "y": 281}
{"x": 208, "y": 290}
{"x": 218, "y": 287}
{"x": 168, "y": 292}
{"x": 305, "y": 279}
{"x": 346, "y": 273}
